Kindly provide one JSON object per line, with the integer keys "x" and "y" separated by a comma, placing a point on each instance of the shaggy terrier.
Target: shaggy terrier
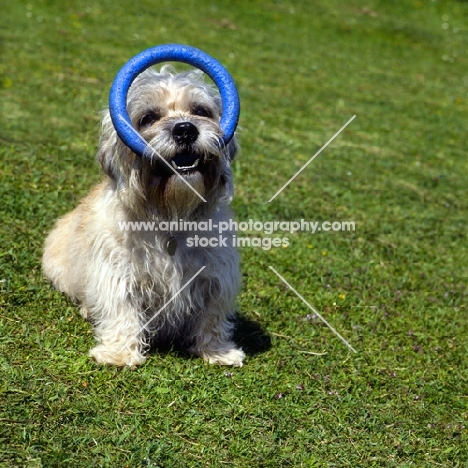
{"x": 142, "y": 287}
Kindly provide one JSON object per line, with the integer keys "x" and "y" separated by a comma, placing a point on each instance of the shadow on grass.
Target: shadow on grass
{"x": 248, "y": 335}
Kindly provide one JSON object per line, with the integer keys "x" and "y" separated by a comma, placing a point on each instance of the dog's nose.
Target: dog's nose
{"x": 184, "y": 133}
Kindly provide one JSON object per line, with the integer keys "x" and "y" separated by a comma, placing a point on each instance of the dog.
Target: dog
{"x": 142, "y": 288}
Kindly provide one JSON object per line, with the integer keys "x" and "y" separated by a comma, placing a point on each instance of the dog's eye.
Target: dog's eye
{"x": 148, "y": 119}
{"x": 202, "y": 112}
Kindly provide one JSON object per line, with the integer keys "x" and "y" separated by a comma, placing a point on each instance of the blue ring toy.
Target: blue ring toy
{"x": 170, "y": 53}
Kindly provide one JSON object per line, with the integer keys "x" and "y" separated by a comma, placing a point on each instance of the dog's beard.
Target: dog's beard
{"x": 174, "y": 199}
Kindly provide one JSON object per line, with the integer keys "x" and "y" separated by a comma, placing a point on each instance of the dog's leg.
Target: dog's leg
{"x": 121, "y": 341}
{"x": 213, "y": 340}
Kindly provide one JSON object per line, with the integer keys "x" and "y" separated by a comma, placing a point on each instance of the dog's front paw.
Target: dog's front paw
{"x": 234, "y": 357}
{"x": 224, "y": 357}
{"x": 117, "y": 355}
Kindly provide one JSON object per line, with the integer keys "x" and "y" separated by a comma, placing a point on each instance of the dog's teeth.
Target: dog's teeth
{"x": 185, "y": 168}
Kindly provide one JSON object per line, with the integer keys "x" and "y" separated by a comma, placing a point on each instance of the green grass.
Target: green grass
{"x": 395, "y": 287}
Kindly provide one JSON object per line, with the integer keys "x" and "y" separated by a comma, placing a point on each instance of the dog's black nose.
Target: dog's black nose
{"x": 185, "y": 133}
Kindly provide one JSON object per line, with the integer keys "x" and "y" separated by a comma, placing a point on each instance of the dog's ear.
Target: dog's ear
{"x": 108, "y": 147}
{"x": 231, "y": 149}
{"x": 104, "y": 157}
{"x": 227, "y": 182}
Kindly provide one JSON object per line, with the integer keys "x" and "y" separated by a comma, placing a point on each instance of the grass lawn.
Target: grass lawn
{"x": 395, "y": 287}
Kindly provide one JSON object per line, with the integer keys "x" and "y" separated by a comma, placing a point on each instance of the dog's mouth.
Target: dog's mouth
{"x": 182, "y": 163}
{"x": 186, "y": 162}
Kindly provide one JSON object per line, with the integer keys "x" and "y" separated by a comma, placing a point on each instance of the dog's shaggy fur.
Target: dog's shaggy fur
{"x": 127, "y": 283}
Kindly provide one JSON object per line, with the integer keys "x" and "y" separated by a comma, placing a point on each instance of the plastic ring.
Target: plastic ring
{"x": 171, "y": 53}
